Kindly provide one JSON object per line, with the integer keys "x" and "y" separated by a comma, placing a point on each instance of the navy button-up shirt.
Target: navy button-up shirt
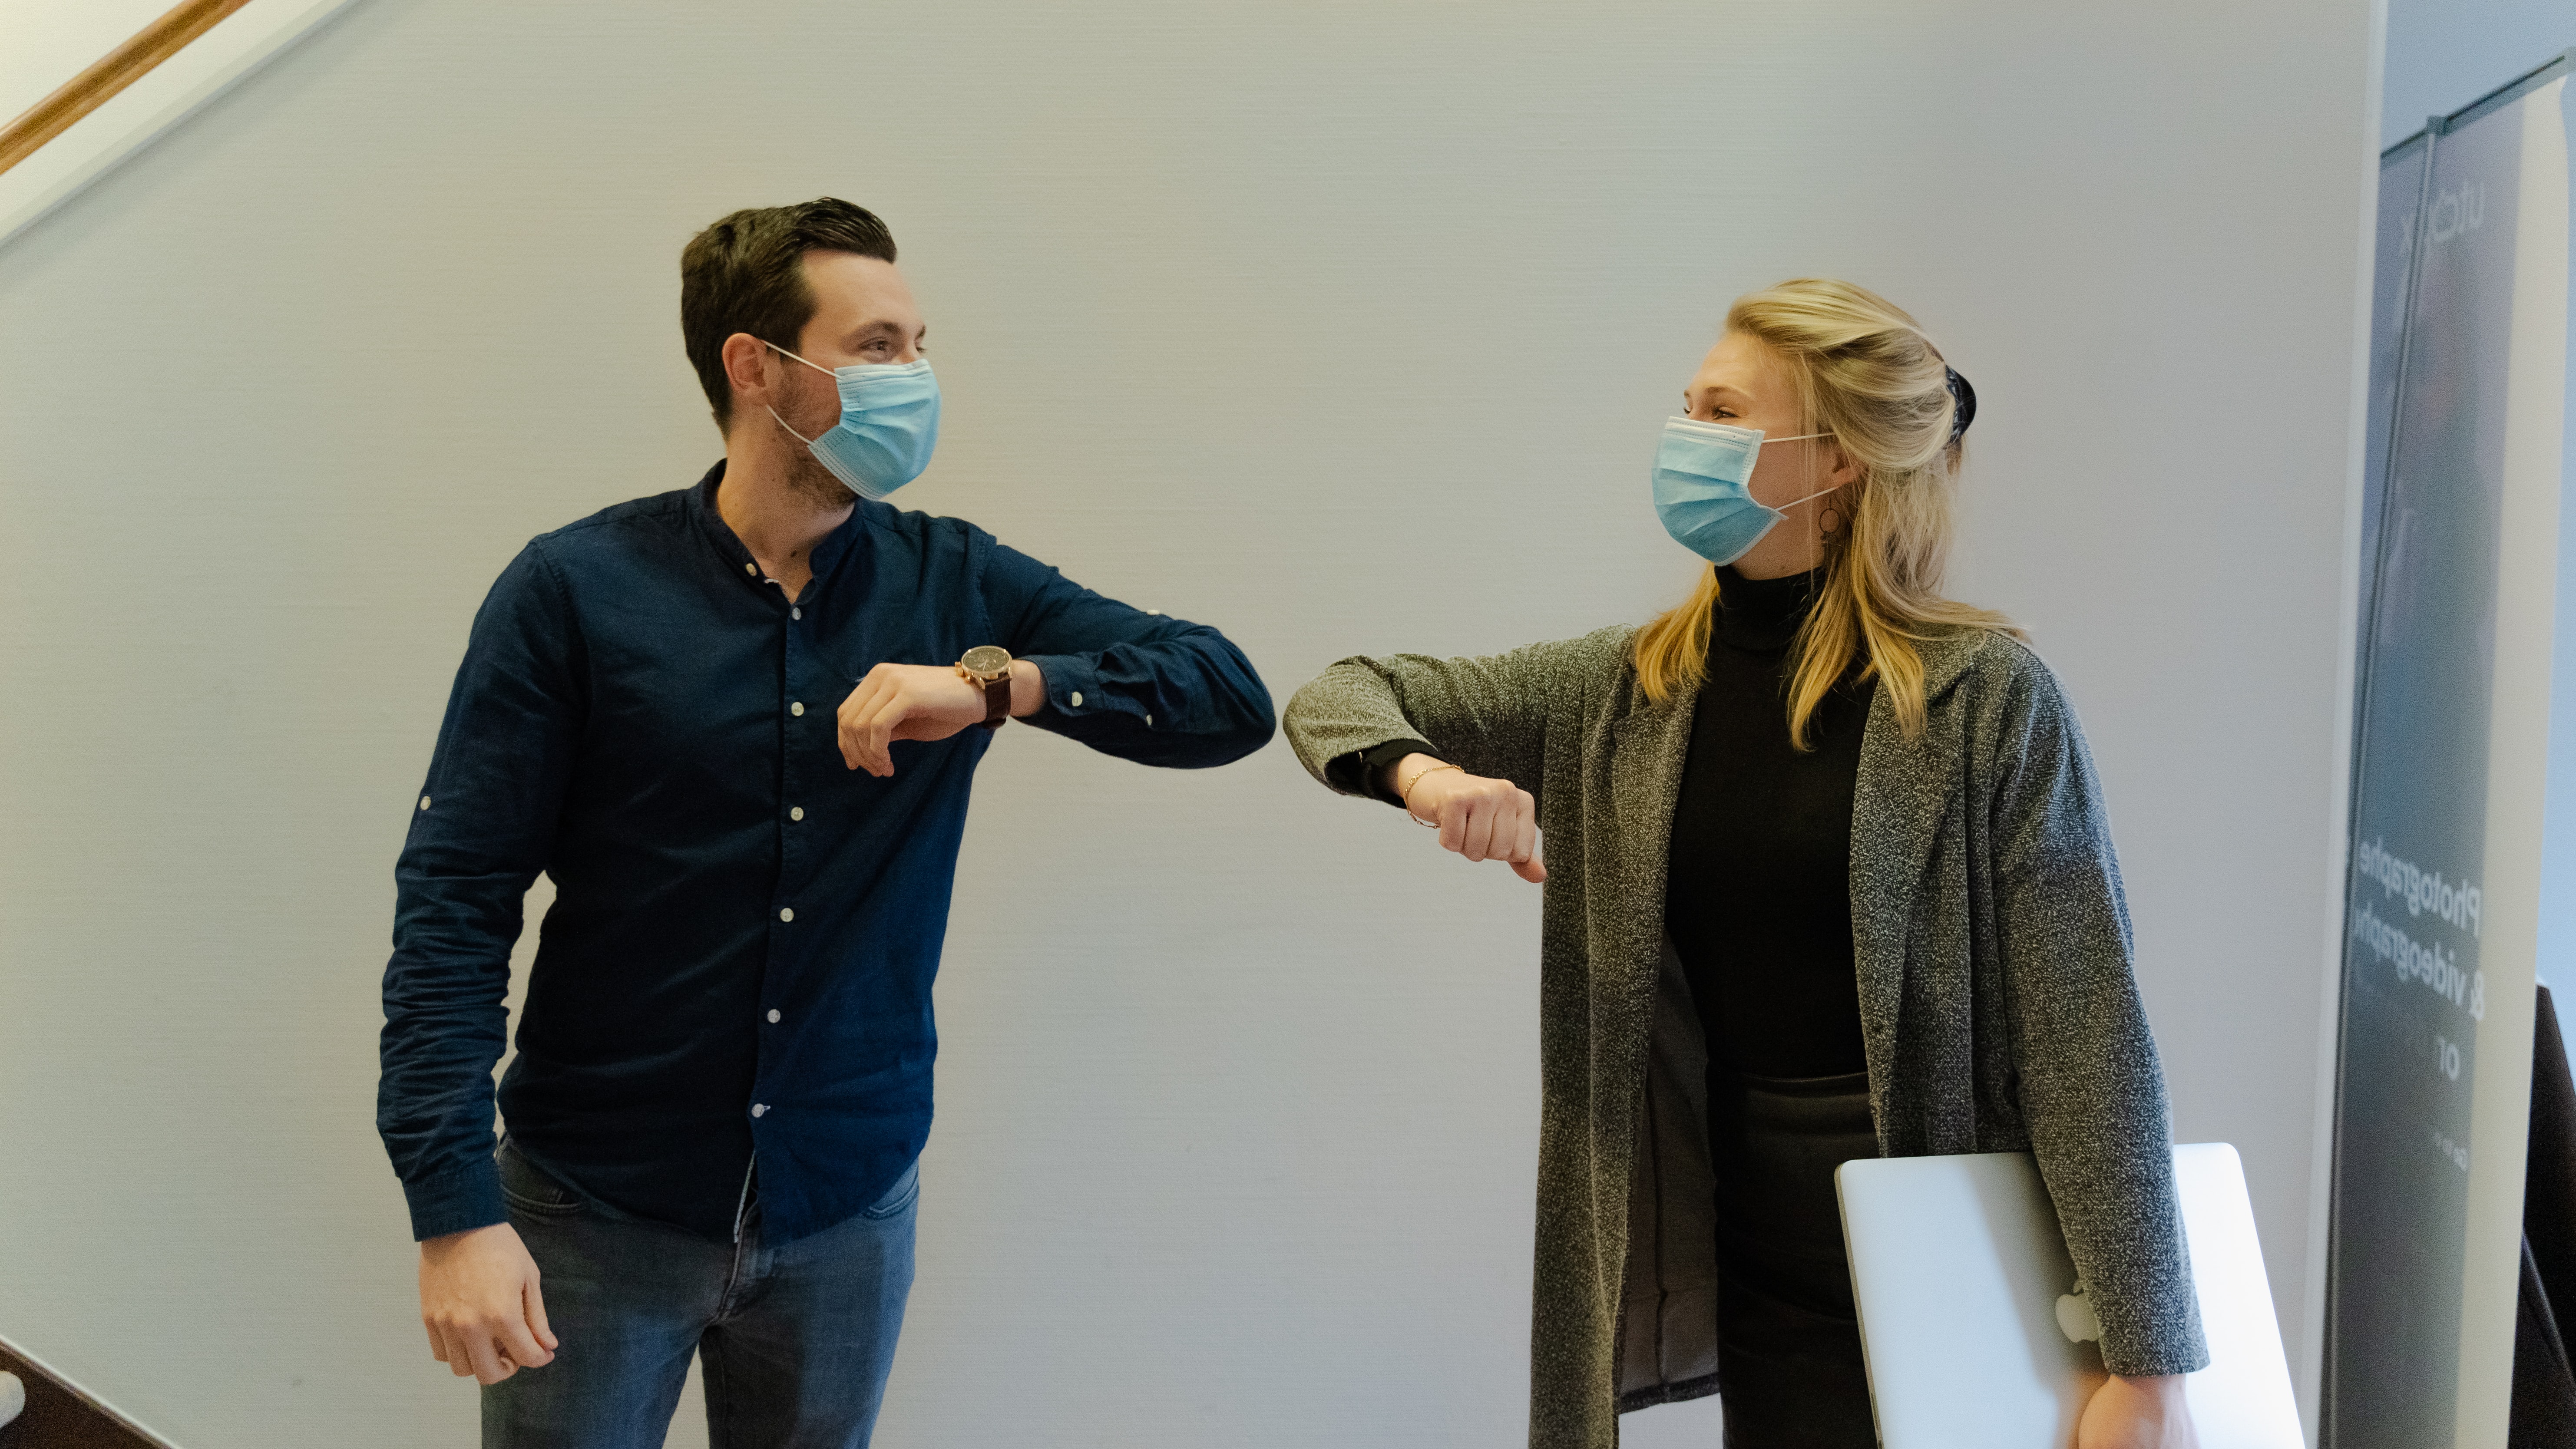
{"x": 744, "y": 932}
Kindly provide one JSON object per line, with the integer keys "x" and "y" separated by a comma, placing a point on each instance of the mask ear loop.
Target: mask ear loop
{"x": 1794, "y": 502}
{"x": 1818, "y": 538}
{"x": 791, "y": 432}
{"x": 773, "y": 412}
{"x": 818, "y": 367}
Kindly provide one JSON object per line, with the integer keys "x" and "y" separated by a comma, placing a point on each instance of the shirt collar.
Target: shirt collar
{"x": 702, "y": 510}
{"x": 827, "y": 553}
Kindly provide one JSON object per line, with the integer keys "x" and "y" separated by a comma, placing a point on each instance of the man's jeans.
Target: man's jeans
{"x": 795, "y": 1342}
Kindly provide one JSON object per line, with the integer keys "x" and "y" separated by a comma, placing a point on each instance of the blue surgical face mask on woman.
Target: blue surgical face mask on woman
{"x": 1703, "y": 492}
{"x": 889, "y": 425}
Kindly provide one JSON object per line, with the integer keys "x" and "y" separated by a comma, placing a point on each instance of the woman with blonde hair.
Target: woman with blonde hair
{"x": 1830, "y": 878}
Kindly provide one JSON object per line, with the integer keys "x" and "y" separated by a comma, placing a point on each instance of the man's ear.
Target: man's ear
{"x": 746, "y": 364}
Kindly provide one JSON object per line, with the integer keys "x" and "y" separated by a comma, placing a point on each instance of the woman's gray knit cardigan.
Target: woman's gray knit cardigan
{"x": 1997, "y": 1007}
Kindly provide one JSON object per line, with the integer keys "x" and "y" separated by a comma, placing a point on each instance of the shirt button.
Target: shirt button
{"x": 424, "y": 802}
{"x": 752, "y": 569}
{"x": 1077, "y": 699}
{"x": 787, "y": 913}
{"x": 760, "y": 1109}
{"x": 795, "y": 812}
{"x": 773, "y": 1013}
{"x": 1149, "y": 721}
{"x": 796, "y": 613}
{"x": 796, "y": 707}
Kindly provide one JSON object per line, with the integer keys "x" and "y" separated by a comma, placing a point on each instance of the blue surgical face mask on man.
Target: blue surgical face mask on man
{"x": 1703, "y": 493}
{"x": 889, "y": 425}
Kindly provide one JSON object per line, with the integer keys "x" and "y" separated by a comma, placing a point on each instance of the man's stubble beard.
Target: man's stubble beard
{"x": 808, "y": 478}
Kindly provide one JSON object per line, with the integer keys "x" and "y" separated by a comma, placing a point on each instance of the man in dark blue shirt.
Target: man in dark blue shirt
{"x": 736, "y": 725}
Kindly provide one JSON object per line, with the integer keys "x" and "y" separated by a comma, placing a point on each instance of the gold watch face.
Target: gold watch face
{"x": 985, "y": 661}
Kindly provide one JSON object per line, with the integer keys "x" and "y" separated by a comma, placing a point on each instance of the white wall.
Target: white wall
{"x": 1345, "y": 327}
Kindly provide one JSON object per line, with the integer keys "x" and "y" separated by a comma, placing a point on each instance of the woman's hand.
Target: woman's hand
{"x": 1479, "y": 818}
{"x": 2142, "y": 1413}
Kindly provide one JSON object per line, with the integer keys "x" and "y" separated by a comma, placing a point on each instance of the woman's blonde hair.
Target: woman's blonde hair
{"x": 1863, "y": 371}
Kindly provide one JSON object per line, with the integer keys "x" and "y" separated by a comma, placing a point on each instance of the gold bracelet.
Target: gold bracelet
{"x": 1406, "y": 794}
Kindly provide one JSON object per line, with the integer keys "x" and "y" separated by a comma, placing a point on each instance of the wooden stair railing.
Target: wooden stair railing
{"x": 62, "y": 1415}
{"x": 119, "y": 68}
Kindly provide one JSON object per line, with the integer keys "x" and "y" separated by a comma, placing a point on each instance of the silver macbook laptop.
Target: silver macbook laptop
{"x": 1973, "y": 1331}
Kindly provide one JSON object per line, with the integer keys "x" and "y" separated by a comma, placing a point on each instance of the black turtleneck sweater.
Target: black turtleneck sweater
{"x": 1757, "y": 897}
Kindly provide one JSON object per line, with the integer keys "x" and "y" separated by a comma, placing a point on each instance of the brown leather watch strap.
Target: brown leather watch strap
{"x": 997, "y": 702}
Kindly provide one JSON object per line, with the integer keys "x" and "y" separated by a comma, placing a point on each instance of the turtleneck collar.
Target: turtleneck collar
{"x": 1763, "y": 614}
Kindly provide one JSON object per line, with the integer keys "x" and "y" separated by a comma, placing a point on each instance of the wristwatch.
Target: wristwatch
{"x": 990, "y": 666}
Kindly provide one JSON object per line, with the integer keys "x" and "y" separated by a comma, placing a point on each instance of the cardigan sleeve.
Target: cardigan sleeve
{"x": 1487, "y": 715}
{"x": 2092, "y": 1093}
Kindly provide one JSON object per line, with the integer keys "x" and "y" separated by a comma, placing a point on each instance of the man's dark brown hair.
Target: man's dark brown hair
{"x": 746, "y": 273}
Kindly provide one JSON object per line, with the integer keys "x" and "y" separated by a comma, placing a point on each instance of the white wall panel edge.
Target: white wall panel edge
{"x": 2310, "y": 1368}
{"x": 147, "y": 110}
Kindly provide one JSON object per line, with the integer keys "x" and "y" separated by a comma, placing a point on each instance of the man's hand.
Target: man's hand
{"x": 1479, "y": 818}
{"x": 479, "y": 1301}
{"x": 2141, "y": 1413}
{"x": 912, "y": 702}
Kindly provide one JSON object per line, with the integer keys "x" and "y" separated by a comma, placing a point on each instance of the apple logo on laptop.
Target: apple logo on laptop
{"x": 2075, "y": 1316}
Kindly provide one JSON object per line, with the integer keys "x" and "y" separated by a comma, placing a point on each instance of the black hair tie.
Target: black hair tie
{"x": 1963, "y": 402}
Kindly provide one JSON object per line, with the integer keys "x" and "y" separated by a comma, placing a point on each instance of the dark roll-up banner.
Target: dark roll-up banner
{"x": 2461, "y": 592}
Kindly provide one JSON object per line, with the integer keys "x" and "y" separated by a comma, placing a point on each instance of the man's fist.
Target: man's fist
{"x": 479, "y": 1301}
{"x": 907, "y": 702}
